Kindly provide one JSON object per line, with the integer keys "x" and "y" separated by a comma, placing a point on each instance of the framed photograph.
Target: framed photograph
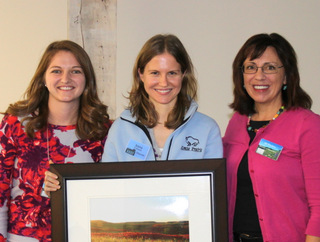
{"x": 181, "y": 200}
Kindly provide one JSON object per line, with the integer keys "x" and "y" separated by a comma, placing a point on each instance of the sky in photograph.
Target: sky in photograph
{"x": 136, "y": 209}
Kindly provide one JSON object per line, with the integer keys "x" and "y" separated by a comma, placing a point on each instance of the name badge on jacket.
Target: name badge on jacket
{"x": 137, "y": 149}
{"x": 269, "y": 149}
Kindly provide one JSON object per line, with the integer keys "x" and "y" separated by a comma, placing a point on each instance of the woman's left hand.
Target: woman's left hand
{"x": 51, "y": 183}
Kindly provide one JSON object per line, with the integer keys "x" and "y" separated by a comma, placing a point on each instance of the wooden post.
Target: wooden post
{"x": 93, "y": 25}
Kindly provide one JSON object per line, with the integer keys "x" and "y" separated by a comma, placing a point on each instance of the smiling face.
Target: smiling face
{"x": 162, "y": 78}
{"x": 265, "y": 89}
{"x": 64, "y": 79}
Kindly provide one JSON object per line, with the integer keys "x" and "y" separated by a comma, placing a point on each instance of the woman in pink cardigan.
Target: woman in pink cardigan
{"x": 272, "y": 147}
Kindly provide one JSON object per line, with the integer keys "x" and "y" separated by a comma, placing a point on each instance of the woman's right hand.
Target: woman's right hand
{"x": 51, "y": 183}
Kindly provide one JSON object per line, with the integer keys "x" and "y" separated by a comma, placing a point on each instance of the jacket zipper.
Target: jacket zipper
{"x": 145, "y": 130}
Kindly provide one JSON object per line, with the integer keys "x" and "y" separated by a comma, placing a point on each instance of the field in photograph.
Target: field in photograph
{"x": 270, "y": 153}
{"x": 102, "y": 231}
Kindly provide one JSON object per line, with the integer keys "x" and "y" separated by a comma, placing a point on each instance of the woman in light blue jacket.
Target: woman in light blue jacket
{"x": 162, "y": 122}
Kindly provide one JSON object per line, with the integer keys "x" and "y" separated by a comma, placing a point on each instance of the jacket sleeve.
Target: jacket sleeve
{"x": 109, "y": 153}
{"x": 7, "y": 157}
{"x": 110, "y": 146}
{"x": 310, "y": 158}
{"x": 214, "y": 144}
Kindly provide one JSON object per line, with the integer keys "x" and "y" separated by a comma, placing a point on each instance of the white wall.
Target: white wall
{"x": 211, "y": 30}
{"x": 26, "y": 28}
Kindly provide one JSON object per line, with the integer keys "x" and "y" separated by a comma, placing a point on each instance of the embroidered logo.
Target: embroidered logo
{"x": 192, "y": 141}
{"x": 192, "y": 144}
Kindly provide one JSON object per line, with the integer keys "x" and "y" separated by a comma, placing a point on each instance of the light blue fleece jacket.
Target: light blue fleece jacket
{"x": 198, "y": 137}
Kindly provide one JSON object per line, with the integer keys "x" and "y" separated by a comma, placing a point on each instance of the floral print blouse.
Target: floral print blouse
{"x": 23, "y": 162}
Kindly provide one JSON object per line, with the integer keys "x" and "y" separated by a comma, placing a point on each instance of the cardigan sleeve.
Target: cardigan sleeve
{"x": 310, "y": 158}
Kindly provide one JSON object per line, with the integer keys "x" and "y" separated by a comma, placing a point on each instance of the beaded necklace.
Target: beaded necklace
{"x": 249, "y": 127}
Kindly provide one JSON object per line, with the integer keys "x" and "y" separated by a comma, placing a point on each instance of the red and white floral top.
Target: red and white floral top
{"x": 23, "y": 162}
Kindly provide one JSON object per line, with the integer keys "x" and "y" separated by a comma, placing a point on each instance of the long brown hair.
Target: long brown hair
{"x": 92, "y": 116}
{"x": 294, "y": 96}
{"x": 140, "y": 105}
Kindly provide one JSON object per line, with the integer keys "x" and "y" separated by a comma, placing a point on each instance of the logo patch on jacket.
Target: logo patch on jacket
{"x": 192, "y": 144}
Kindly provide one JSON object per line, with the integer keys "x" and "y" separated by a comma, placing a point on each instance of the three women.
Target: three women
{"x": 270, "y": 144}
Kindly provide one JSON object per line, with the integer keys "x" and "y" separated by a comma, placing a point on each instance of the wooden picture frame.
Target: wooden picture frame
{"x": 199, "y": 185}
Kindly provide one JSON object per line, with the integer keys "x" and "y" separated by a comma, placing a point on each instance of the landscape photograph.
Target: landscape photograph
{"x": 137, "y": 219}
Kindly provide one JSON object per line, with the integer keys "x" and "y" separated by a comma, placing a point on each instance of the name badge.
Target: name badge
{"x": 137, "y": 149}
{"x": 269, "y": 149}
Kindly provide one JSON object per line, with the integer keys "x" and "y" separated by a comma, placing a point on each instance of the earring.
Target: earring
{"x": 284, "y": 87}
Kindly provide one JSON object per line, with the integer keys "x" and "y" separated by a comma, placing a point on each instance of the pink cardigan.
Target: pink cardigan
{"x": 287, "y": 190}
